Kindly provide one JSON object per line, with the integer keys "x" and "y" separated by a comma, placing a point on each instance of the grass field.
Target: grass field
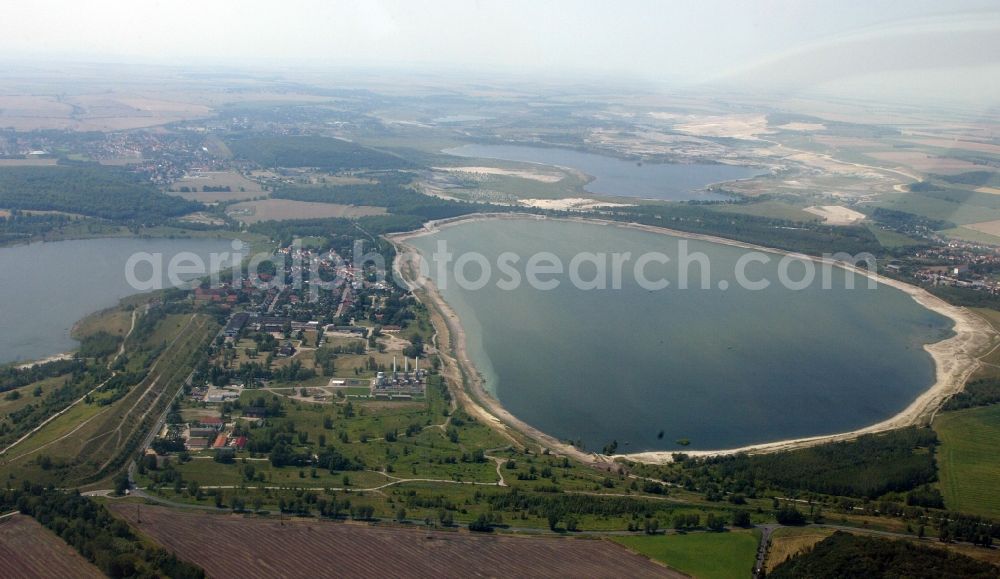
{"x": 27, "y": 395}
{"x": 115, "y": 321}
{"x": 91, "y": 441}
{"x": 789, "y": 541}
{"x": 972, "y": 210}
{"x": 771, "y": 209}
{"x": 891, "y": 239}
{"x": 990, "y": 357}
{"x": 702, "y": 555}
{"x": 281, "y": 209}
{"x": 968, "y": 460}
{"x": 971, "y": 235}
{"x": 240, "y": 187}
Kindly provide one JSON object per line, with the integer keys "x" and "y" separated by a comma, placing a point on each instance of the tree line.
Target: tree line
{"x": 312, "y": 151}
{"x": 869, "y": 467}
{"x": 105, "y": 192}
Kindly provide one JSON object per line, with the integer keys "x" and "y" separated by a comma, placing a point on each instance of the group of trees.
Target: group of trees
{"x": 207, "y": 189}
{"x": 811, "y": 238}
{"x": 20, "y": 225}
{"x": 846, "y": 555}
{"x": 323, "y": 153}
{"x": 97, "y": 191}
{"x": 909, "y": 223}
{"x": 99, "y": 344}
{"x": 982, "y": 392}
{"x": 870, "y": 466}
{"x": 395, "y": 197}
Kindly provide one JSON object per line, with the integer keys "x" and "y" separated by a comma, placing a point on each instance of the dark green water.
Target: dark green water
{"x": 720, "y": 368}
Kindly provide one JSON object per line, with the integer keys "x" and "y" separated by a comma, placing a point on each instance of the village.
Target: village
{"x": 358, "y": 339}
{"x": 956, "y": 264}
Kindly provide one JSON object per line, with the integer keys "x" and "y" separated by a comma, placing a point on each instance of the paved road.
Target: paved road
{"x": 765, "y": 542}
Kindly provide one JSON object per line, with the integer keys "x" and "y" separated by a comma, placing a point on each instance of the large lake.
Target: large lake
{"x": 720, "y": 368}
{"x": 47, "y": 287}
{"x": 671, "y": 182}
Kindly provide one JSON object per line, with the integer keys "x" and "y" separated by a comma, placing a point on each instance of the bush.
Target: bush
{"x": 790, "y": 516}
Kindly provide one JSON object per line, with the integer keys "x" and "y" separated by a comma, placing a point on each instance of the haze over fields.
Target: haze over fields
{"x": 912, "y": 51}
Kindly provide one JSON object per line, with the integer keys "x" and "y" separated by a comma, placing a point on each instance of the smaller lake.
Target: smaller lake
{"x": 617, "y": 177}
{"x": 460, "y": 118}
{"x": 45, "y": 288}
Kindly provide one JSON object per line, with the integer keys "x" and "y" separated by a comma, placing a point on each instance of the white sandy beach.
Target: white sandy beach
{"x": 46, "y": 360}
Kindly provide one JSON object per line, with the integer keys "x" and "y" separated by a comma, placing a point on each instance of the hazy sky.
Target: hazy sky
{"x": 942, "y": 49}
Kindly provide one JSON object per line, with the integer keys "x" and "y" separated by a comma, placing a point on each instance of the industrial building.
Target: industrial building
{"x": 405, "y": 384}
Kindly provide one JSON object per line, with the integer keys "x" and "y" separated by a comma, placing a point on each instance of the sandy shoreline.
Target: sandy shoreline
{"x": 47, "y": 359}
{"x": 954, "y": 358}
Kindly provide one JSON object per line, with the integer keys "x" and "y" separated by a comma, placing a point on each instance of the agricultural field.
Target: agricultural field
{"x": 971, "y": 235}
{"x": 991, "y": 228}
{"x": 922, "y": 162}
{"x": 29, "y": 550}
{"x": 968, "y": 460}
{"x": 97, "y": 111}
{"x": 961, "y": 213}
{"x": 286, "y": 209}
{"x": 247, "y": 547}
{"x": 193, "y": 187}
{"x": 27, "y": 162}
{"x": 728, "y": 555}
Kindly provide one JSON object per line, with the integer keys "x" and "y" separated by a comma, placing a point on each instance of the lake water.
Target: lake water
{"x": 617, "y": 177}
{"x": 47, "y": 287}
{"x": 720, "y": 368}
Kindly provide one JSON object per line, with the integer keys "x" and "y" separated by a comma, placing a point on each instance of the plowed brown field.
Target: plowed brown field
{"x": 243, "y": 547}
{"x": 29, "y": 550}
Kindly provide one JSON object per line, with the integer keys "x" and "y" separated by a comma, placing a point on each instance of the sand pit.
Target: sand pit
{"x": 569, "y": 204}
{"x": 836, "y": 214}
{"x": 540, "y": 176}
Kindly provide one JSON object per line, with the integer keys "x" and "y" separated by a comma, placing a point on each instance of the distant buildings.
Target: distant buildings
{"x": 220, "y": 395}
{"x": 236, "y": 324}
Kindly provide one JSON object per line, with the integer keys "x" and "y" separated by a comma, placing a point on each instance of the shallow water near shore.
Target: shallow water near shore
{"x": 719, "y": 368}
